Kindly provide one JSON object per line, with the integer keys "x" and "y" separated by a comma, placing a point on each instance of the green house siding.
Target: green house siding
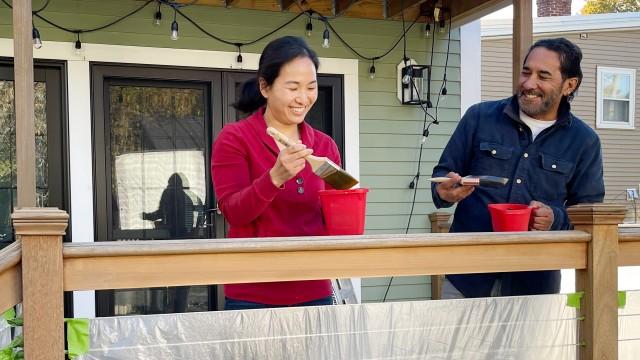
{"x": 389, "y": 132}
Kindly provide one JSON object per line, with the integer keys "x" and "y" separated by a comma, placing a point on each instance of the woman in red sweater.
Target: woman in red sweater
{"x": 264, "y": 189}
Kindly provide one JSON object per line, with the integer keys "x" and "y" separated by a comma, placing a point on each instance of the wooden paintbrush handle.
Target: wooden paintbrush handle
{"x": 280, "y": 137}
{"x": 315, "y": 161}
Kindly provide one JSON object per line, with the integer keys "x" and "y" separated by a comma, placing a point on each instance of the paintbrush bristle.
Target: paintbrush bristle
{"x": 333, "y": 175}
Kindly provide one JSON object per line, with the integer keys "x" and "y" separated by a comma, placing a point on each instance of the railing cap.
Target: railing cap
{"x": 440, "y": 216}
{"x": 39, "y": 221}
{"x": 596, "y": 214}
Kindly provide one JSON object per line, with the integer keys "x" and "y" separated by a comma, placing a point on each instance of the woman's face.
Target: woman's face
{"x": 293, "y": 92}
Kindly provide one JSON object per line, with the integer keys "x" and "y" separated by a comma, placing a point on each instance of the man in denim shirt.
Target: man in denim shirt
{"x": 553, "y": 159}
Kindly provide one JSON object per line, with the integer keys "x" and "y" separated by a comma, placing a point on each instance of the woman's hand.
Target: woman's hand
{"x": 289, "y": 163}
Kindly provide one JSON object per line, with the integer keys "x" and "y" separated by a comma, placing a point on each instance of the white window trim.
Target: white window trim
{"x": 600, "y": 123}
{"x": 80, "y": 134}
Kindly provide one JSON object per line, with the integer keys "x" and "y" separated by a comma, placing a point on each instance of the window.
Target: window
{"x": 615, "y": 98}
{"x": 50, "y": 140}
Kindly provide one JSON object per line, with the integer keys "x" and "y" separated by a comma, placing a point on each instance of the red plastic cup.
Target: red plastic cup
{"x": 510, "y": 217}
{"x": 344, "y": 211}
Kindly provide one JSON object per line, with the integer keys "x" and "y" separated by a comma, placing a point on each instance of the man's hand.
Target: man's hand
{"x": 451, "y": 190}
{"x": 541, "y": 216}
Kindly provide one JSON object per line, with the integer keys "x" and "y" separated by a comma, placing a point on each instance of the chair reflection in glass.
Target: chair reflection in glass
{"x": 181, "y": 214}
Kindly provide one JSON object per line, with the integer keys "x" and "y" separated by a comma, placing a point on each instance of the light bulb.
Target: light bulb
{"x": 372, "y": 72}
{"x": 309, "y": 28}
{"x": 78, "y": 48}
{"x": 442, "y": 28}
{"x": 37, "y": 43}
{"x": 157, "y": 18}
{"x": 239, "y": 59}
{"x": 174, "y": 30}
{"x": 325, "y": 38}
{"x": 406, "y": 79}
{"x": 427, "y": 30}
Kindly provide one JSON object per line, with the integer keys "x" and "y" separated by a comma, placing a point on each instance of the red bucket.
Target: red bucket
{"x": 510, "y": 217}
{"x": 344, "y": 211}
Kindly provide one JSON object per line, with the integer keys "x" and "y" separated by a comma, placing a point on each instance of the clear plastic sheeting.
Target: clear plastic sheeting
{"x": 532, "y": 327}
{"x": 629, "y": 327}
{"x": 5, "y": 333}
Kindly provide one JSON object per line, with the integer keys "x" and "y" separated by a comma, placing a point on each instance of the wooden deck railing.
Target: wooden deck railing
{"x": 48, "y": 268}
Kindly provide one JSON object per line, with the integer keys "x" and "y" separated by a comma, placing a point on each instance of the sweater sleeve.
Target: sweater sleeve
{"x": 240, "y": 198}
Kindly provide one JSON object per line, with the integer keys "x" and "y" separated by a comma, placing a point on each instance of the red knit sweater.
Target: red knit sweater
{"x": 241, "y": 159}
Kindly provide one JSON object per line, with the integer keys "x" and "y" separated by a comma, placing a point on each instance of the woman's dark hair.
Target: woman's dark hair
{"x": 570, "y": 57}
{"x": 274, "y": 56}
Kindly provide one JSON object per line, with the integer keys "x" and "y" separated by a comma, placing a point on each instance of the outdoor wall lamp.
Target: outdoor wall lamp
{"x": 414, "y": 83}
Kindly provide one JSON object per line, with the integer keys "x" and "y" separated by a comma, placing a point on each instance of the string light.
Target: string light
{"x": 174, "y": 26}
{"x": 312, "y": 14}
{"x": 442, "y": 28}
{"x": 78, "y": 45}
{"x": 325, "y": 36}
{"x": 158, "y": 16}
{"x": 372, "y": 70}
{"x": 427, "y": 29}
{"x": 37, "y": 43}
{"x": 309, "y": 28}
{"x": 239, "y": 57}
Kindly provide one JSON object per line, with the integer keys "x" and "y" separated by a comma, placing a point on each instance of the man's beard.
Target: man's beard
{"x": 539, "y": 109}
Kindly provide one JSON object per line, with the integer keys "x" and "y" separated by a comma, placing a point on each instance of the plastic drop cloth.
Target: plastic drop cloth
{"x": 629, "y": 327}
{"x": 5, "y": 333}
{"x": 532, "y": 327}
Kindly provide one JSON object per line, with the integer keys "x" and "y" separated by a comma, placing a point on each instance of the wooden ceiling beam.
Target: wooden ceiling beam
{"x": 395, "y": 7}
{"x": 286, "y": 4}
{"x": 341, "y": 6}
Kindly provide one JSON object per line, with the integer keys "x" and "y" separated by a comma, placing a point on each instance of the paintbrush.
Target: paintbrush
{"x": 483, "y": 180}
{"x": 331, "y": 173}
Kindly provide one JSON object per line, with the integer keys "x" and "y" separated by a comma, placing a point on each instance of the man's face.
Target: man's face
{"x": 541, "y": 87}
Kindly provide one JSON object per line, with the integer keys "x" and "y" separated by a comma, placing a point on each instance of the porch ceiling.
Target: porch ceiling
{"x": 461, "y": 11}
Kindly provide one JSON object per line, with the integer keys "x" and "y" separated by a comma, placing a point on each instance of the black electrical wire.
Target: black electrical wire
{"x": 42, "y": 7}
{"x": 404, "y": 32}
{"x": 238, "y": 43}
{"x": 131, "y": 13}
{"x": 446, "y": 64}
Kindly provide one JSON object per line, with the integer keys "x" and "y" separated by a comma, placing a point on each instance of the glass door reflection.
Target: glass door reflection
{"x": 157, "y": 150}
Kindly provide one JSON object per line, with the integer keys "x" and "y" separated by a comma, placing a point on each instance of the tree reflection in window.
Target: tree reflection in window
{"x": 8, "y": 186}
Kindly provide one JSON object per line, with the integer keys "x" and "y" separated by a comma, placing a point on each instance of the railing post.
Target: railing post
{"x": 599, "y": 281}
{"x": 439, "y": 224}
{"x": 41, "y": 231}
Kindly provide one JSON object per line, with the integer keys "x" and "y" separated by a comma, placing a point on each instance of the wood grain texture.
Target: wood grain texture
{"x": 11, "y": 285}
{"x": 24, "y": 103}
{"x": 355, "y": 242}
{"x": 599, "y": 329}
{"x": 40, "y": 232}
{"x": 134, "y": 271}
{"x": 43, "y": 297}
{"x": 39, "y": 221}
{"x": 10, "y": 276}
{"x": 523, "y": 36}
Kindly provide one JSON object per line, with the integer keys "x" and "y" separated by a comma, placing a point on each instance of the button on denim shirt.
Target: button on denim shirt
{"x": 562, "y": 167}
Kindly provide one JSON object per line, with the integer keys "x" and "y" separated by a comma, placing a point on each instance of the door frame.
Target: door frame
{"x": 104, "y": 74}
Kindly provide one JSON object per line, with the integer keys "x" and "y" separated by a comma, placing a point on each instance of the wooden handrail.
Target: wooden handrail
{"x": 205, "y": 246}
{"x": 157, "y": 263}
{"x": 10, "y": 276}
{"x": 629, "y": 245}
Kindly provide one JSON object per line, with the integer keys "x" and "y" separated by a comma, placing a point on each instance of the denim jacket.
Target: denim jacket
{"x": 562, "y": 167}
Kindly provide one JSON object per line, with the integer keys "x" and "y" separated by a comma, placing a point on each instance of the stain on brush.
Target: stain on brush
{"x": 326, "y": 169}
